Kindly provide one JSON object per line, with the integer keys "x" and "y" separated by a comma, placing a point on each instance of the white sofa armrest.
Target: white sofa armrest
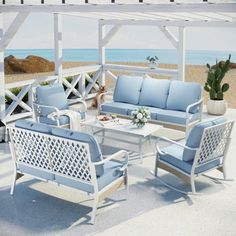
{"x": 198, "y": 103}
{"x": 109, "y": 93}
{"x": 117, "y": 155}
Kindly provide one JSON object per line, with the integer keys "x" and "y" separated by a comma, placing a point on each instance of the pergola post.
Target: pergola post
{"x": 181, "y": 54}
{"x": 102, "y": 54}
{"x": 2, "y": 76}
{"x": 58, "y": 45}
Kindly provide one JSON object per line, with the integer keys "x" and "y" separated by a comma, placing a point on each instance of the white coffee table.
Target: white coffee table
{"x": 123, "y": 127}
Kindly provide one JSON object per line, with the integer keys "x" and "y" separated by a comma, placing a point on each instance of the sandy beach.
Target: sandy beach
{"x": 193, "y": 73}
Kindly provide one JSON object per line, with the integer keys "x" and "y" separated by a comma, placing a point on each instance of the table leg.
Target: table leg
{"x": 141, "y": 149}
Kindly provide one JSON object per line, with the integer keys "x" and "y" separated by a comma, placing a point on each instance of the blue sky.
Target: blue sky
{"x": 37, "y": 32}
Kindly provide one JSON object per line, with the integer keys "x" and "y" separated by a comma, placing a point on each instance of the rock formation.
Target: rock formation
{"x": 31, "y": 64}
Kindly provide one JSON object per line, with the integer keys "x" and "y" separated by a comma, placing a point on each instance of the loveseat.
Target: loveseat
{"x": 169, "y": 102}
{"x": 73, "y": 159}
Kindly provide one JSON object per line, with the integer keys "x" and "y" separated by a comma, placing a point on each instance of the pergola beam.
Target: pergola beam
{"x": 110, "y": 35}
{"x": 170, "y": 36}
{"x": 171, "y": 23}
{"x": 12, "y": 29}
{"x": 58, "y": 45}
{"x": 181, "y": 54}
{"x": 184, "y": 7}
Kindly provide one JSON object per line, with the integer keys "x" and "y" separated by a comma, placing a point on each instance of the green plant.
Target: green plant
{"x": 214, "y": 79}
{"x": 153, "y": 59}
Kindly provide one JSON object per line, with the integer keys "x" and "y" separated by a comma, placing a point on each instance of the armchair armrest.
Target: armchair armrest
{"x": 117, "y": 155}
{"x": 172, "y": 142}
{"x": 37, "y": 107}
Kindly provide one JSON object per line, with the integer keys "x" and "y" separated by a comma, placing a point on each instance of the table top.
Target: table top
{"x": 122, "y": 125}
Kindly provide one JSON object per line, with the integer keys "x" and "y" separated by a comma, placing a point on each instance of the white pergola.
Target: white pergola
{"x": 113, "y": 13}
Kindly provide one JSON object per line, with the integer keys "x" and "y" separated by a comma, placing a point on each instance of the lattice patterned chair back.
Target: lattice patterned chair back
{"x": 30, "y": 148}
{"x": 71, "y": 158}
{"x": 214, "y": 143}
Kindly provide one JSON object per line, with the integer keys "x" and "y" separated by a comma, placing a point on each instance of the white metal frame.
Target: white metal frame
{"x": 52, "y": 158}
{"x": 213, "y": 146}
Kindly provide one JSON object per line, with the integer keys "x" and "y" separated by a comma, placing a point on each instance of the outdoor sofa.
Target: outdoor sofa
{"x": 169, "y": 101}
{"x": 69, "y": 158}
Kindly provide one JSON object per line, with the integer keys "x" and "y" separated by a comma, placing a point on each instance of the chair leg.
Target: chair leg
{"x": 156, "y": 166}
{"x": 193, "y": 185}
{"x": 126, "y": 185}
{"x": 13, "y": 183}
{"x": 95, "y": 205}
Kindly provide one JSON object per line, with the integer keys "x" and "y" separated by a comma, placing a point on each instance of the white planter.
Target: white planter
{"x": 152, "y": 65}
{"x": 216, "y": 107}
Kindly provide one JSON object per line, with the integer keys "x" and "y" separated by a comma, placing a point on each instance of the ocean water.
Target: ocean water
{"x": 167, "y": 56}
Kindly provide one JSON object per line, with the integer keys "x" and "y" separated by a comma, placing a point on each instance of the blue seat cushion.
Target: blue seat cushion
{"x": 195, "y": 137}
{"x": 176, "y": 117}
{"x": 30, "y": 125}
{"x": 51, "y": 95}
{"x": 35, "y": 172}
{"x": 182, "y": 94}
{"x": 111, "y": 173}
{"x": 154, "y": 92}
{"x": 153, "y": 111}
{"x": 95, "y": 152}
{"x": 174, "y": 157}
{"x": 120, "y": 108}
{"x": 128, "y": 89}
{"x": 63, "y": 120}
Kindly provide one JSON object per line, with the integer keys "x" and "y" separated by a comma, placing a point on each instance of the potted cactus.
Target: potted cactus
{"x": 216, "y": 105}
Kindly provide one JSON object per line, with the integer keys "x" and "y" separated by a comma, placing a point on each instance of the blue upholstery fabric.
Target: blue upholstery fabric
{"x": 30, "y": 125}
{"x": 177, "y": 117}
{"x": 153, "y": 111}
{"x": 111, "y": 173}
{"x": 182, "y": 94}
{"x": 94, "y": 148}
{"x": 64, "y": 120}
{"x": 154, "y": 92}
{"x": 174, "y": 157}
{"x": 195, "y": 136}
{"x": 117, "y": 107}
{"x": 51, "y": 95}
{"x": 35, "y": 172}
{"x": 128, "y": 89}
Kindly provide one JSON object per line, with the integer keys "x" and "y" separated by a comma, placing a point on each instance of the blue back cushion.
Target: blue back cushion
{"x": 94, "y": 148}
{"x": 30, "y": 125}
{"x": 195, "y": 137}
{"x": 51, "y": 95}
{"x": 154, "y": 92}
{"x": 128, "y": 89}
{"x": 182, "y": 94}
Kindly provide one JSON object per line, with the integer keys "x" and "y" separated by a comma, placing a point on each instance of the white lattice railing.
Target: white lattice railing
{"x": 80, "y": 83}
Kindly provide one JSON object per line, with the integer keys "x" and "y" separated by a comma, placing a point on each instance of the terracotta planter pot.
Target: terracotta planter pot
{"x": 216, "y": 107}
{"x": 152, "y": 65}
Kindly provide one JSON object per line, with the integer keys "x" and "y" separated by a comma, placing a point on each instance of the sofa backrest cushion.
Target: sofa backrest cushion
{"x": 94, "y": 148}
{"x": 33, "y": 126}
{"x": 128, "y": 89}
{"x": 51, "y": 95}
{"x": 182, "y": 94}
{"x": 154, "y": 92}
{"x": 195, "y": 136}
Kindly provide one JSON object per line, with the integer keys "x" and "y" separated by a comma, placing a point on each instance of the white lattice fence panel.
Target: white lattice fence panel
{"x": 70, "y": 158}
{"x": 214, "y": 142}
{"x": 30, "y": 148}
